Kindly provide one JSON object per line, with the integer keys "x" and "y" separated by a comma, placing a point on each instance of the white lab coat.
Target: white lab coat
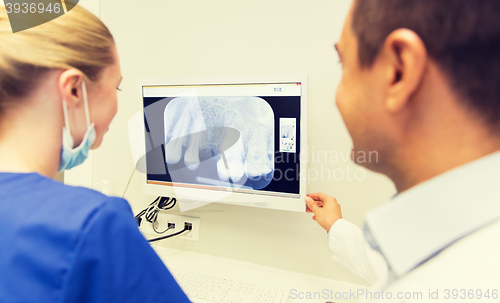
{"x": 351, "y": 250}
{"x": 466, "y": 269}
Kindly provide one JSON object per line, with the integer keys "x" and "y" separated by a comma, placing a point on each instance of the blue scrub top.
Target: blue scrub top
{"x": 60, "y": 243}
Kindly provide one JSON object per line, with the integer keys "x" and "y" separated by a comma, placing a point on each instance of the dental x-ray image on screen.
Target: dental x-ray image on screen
{"x": 220, "y": 141}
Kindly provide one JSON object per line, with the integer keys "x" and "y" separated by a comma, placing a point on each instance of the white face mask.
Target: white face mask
{"x": 71, "y": 157}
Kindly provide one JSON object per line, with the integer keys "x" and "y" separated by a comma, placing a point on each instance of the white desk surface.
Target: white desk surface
{"x": 300, "y": 285}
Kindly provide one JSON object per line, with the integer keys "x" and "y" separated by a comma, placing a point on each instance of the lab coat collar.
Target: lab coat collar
{"x": 420, "y": 222}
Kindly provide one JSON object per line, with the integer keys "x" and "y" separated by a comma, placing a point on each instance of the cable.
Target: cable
{"x": 151, "y": 212}
{"x": 161, "y": 232}
{"x": 130, "y": 179}
{"x": 186, "y": 228}
{"x": 151, "y": 215}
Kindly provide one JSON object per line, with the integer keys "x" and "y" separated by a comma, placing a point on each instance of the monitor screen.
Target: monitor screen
{"x": 228, "y": 140}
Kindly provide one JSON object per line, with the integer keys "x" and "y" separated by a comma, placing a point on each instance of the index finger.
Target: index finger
{"x": 312, "y": 205}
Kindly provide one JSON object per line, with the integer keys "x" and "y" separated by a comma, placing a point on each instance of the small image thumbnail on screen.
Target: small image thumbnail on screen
{"x": 288, "y": 131}
{"x": 220, "y": 141}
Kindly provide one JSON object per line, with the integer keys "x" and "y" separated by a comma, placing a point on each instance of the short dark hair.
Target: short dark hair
{"x": 461, "y": 36}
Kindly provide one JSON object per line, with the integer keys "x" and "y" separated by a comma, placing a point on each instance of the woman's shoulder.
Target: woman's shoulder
{"x": 32, "y": 197}
{"x": 51, "y": 227}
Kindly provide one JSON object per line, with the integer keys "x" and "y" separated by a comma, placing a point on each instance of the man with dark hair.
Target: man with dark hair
{"x": 421, "y": 86}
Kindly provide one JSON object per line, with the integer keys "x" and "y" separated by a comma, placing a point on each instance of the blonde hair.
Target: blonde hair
{"x": 77, "y": 39}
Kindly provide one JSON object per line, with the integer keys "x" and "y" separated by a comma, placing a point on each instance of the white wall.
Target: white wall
{"x": 92, "y": 5}
{"x": 166, "y": 38}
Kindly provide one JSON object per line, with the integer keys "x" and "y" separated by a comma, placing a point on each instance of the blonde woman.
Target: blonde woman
{"x": 59, "y": 243}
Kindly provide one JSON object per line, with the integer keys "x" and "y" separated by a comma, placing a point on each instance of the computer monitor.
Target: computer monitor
{"x": 235, "y": 140}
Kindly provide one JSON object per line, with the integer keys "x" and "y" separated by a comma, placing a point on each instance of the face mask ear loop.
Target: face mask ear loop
{"x": 86, "y": 103}
{"x": 66, "y": 119}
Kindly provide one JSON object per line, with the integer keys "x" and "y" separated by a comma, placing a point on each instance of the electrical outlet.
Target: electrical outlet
{"x": 165, "y": 219}
{"x": 194, "y": 234}
{"x": 179, "y": 221}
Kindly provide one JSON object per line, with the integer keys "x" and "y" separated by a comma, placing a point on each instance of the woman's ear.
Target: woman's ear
{"x": 70, "y": 86}
{"x": 407, "y": 59}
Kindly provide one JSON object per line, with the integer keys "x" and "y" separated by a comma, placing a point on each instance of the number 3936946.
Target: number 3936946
{"x": 33, "y": 8}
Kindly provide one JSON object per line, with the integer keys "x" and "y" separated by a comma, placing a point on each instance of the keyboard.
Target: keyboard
{"x": 207, "y": 289}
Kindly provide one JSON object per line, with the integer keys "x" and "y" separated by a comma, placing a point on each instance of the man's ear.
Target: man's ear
{"x": 70, "y": 86}
{"x": 407, "y": 58}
